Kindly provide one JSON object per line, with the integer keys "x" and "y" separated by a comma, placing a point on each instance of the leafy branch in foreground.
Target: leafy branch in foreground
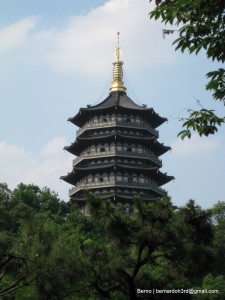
{"x": 217, "y": 84}
{"x": 201, "y": 26}
{"x": 204, "y": 121}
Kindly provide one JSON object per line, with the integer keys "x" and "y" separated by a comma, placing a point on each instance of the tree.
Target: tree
{"x": 201, "y": 26}
{"x": 218, "y": 211}
{"x": 23, "y": 205}
{"x": 53, "y": 251}
{"x": 154, "y": 246}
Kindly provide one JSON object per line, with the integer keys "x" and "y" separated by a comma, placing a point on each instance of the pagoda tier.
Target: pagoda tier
{"x": 117, "y": 149}
{"x": 104, "y": 169}
{"x": 116, "y": 103}
{"x": 102, "y": 141}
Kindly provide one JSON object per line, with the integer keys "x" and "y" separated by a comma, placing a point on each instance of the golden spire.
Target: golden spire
{"x": 117, "y": 83}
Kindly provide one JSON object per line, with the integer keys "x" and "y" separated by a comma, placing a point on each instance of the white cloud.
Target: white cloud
{"x": 87, "y": 42}
{"x": 16, "y": 35}
{"x": 116, "y": 5}
{"x": 196, "y": 145}
{"x": 52, "y": 148}
{"x": 44, "y": 168}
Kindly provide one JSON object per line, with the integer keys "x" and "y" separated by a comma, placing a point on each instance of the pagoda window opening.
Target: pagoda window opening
{"x": 141, "y": 180}
{"x": 100, "y": 179}
{"x": 90, "y": 179}
{"x": 119, "y": 178}
{"x": 112, "y": 147}
{"x": 128, "y": 120}
{"x": 93, "y": 149}
{"x": 129, "y": 149}
{"x": 102, "y": 149}
{"x": 125, "y": 177}
{"x": 112, "y": 177}
{"x": 113, "y": 118}
{"x": 95, "y": 119}
{"x": 139, "y": 149}
{"x": 119, "y": 118}
{"x": 119, "y": 147}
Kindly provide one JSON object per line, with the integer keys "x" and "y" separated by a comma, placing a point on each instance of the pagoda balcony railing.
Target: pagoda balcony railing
{"x": 113, "y": 183}
{"x": 150, "y": 155}
{"x": 131, "y": 124}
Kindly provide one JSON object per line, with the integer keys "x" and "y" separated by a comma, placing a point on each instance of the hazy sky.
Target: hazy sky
{"x": 56, "y": 56}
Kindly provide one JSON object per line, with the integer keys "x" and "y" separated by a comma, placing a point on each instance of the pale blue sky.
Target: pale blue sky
{"x": 56, "y": 56}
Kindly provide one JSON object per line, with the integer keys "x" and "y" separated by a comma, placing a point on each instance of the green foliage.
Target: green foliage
{"x": 56, "y": 252}
{"x": 204, "y": 122}
{"x": 18, "y": 210}
{"x": 217, "y": 84}
{"x": 153, "y": 246}
{"x": 219, "y": 239}
{"x": 201, "y": 26}
{"x": 210, "y": 282}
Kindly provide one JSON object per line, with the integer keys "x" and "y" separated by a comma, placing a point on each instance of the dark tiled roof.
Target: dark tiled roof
{"x": 119, "y": 100}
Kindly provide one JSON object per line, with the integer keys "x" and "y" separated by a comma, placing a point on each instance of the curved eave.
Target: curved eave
{"x": 152, "y": 172}
{"x": 81, "y": 142}
{"x": 121, "y": 101}
{"x": 136, "y": 137}
{"x": 70, "y": 148}
{"x": 94, "y": 167}
{"x": 115, "y": 136}
{"x": 95, "y": 137}
{"x": 81, "y": 198}
{"x": 85, "y": 114}
{"x": 154, "y": 195}
{"x": 158, "y": 148}
{"x": 69, "y": 178}
{"x": 79, "y": 171}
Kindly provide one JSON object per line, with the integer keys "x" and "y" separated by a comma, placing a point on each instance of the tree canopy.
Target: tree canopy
{"x": 50, "y": 250}
{"x": 201, "y": 26}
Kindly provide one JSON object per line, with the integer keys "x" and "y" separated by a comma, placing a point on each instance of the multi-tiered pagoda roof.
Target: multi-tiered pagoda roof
{"x": 116, "y": 148}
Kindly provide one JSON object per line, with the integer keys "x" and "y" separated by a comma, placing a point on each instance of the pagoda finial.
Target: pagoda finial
{"x": 117, "y": 83}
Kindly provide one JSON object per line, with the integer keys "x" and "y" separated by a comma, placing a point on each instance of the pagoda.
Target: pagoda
{"x": 116, "y": 148}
